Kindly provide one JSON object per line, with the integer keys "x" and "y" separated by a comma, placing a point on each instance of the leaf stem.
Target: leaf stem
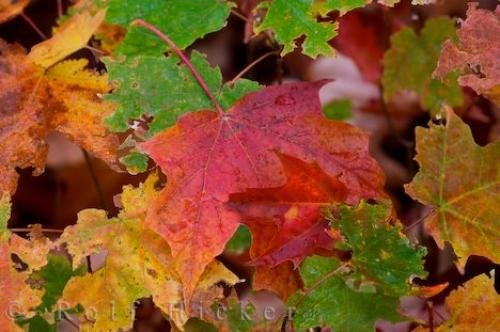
{"x": 27, "y": 230}
{"x": 33, "y": 26}
{"x": 250, "y": 66}
{"x": 320, "y": 281}
{"x": 184, "y": 59}
{"x": 95, "y": 180}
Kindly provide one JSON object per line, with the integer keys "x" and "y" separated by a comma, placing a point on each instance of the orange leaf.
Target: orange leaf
{"x": 64, "y": 98}
{"x": 286, "y": 221}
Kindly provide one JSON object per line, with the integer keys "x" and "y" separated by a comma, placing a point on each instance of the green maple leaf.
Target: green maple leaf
{"x": 411, "y": 60}
{"x": 353, "y": 296}
{"x": 183, "y": 21}
{"x": 380, "y": 252}
{"x": 323, "y": 7}
{"x": 329, "y": 301}
{"x": 461, "y": 180}
{"x": 290, "y": 20}
{"x": 161, "y": 88}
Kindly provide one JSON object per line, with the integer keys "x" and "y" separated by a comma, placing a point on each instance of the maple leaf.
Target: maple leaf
{"x": 380, "y": 252}
{"x": 51, "y": 279}
{"x": 290, "y": 20}
{"x": 461, "y": 181}
{"x": 409, "y": 63}
{"x": 138, "y": 264}
{"x": 140, "y": 85}
{"x": 81, "y": 114}
{"x": 68, "y": 38}
{"x": 11, "y": 8}
{"x": 286, "y": 222}
{"x": 323, "y": 7}
{"x": 475, "y": 55}
{"x": 474, "y": 307}
{"x": 180, "y": 20}
{"x": 329, "y": 301}
{"x": 352, "y": 296}
{"x": 17, "y": 296}
{"x": 37, "y": 101}
{"x": 207, "y": 156}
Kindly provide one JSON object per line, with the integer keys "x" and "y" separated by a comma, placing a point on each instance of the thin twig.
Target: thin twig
{"x": 44, "y": 230}
{"x": 60, "y": 10}
{"x": 251, "y": 65}
{"x": 419, "y": 220}
{"x": 33, "y": 26}
{"x": 430, "y": 309}
{"x": 93, "y": 49}
{"x": 95, "y": 180}
{"x": 184, "y": 59}
{"x": 239, "y": 15}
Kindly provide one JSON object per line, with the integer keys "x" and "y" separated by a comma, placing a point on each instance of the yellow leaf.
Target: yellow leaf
{"x": 138, "y": 264}
{"x": 70, "y": 37}
{"x": 80, "y": 109}
{"x": 474, "y": 307}
{"x": 66, "y": 98}
{"x": 17, "y": 296}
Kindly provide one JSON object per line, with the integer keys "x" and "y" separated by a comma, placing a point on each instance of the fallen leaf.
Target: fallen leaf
{"x": 67, "y": 39}
{"x": 461, "y": 181}
{"x": 474, "y": 307}
{"x": 138, "y": 264}
{"x": 409, "y": 63}
{"x": 35, "y": 101}
{"x": 207, "y": 156}
{"x": 17, "y": 296}
{"x": 475, "y": 55}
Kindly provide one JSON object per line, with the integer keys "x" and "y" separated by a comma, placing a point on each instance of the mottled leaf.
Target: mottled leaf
{"x": 409, "y": 63}
{"x": 475, "y": 55}
{"x": 461, "y": 181}
{"x": 17, "y": 296}
{"x": 138, "y": 264}
{"x": 380, "y": 252}
{"x": 474, "y": 307}
{"x": 141, "y": 83}
{"x": 35, "y": 102}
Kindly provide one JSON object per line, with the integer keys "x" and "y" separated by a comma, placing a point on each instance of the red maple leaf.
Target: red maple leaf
{"x": 207, "y": 156}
